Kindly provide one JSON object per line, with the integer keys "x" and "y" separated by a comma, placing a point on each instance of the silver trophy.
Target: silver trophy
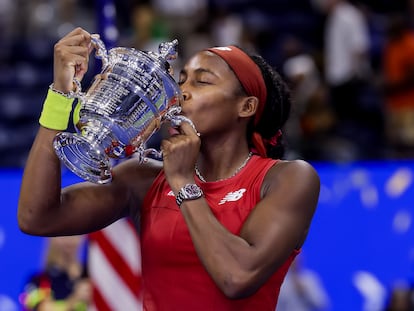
{"x": 124, "y": 106}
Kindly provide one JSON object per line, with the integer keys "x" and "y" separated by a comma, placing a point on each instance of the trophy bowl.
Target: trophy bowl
{"x": 125, "y": 104}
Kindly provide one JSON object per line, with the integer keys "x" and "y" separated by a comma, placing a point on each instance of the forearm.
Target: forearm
{"x": 228, "y": 258}
{"x": 41, "y": 184}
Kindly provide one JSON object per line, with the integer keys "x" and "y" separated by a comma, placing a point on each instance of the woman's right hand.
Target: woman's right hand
{"x": 71, "y": 57}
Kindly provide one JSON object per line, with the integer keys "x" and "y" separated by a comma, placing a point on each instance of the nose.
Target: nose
{"x": 185, "y": 94}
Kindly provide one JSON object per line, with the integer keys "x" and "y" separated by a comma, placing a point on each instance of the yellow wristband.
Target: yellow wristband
{"x": 56, "y": 111}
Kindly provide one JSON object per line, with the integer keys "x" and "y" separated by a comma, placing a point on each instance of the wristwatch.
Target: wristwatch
{"x": 188, "y": 192}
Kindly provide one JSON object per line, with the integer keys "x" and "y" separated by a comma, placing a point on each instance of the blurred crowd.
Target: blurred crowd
{"x": 350, "y": 64}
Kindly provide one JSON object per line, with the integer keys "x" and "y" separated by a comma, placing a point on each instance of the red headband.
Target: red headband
{"x": 247, "y": 72}
{"x": 251, "y": 78}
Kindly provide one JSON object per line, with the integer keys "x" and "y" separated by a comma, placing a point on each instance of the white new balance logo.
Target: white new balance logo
{"x": 233, "y": 196}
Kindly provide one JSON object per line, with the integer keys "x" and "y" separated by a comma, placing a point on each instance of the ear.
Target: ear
{"x": 248, "y": 106}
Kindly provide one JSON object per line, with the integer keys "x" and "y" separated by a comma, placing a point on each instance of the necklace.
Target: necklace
{"x": 197, "y": 171}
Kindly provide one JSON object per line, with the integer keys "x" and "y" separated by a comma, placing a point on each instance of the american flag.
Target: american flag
{"x": 114, "y": 265}
{"x": 114, "y": 256}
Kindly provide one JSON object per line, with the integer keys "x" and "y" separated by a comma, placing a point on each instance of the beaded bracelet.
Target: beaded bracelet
{"x": 70, "y": 94}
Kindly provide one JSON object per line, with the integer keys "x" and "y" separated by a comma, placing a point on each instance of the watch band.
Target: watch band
{"x": 188, "y": 192}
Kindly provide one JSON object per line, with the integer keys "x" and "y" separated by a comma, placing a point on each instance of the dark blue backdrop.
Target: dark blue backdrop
{"x": 361, "y": 240}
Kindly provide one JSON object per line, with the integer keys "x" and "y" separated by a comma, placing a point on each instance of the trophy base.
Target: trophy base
{"x": 84, "y": 159}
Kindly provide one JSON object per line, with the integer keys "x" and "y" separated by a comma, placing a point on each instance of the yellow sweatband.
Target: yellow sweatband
{"x": 56, "y": 111}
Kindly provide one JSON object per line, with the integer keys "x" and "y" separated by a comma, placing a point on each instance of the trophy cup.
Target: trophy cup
{"x": 125, "y": 104}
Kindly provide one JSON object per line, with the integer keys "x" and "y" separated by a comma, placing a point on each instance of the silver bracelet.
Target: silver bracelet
{"x": 70, "y": 94}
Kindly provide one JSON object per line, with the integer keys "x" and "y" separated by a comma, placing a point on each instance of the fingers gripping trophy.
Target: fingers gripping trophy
{"x": 126, "y": 103}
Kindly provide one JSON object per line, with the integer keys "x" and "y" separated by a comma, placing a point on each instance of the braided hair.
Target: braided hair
{"x": 276, "y": 111}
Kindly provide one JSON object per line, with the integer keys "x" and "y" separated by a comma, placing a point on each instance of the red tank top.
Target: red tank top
{"x": 173, "y": 276}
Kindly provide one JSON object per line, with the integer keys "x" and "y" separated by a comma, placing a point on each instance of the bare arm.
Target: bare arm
{"x": 46, "y": 210}
{"x": 278, "y": 224}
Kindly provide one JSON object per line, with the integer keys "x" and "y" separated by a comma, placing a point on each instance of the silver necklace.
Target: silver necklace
{"x": 197, "y": 171}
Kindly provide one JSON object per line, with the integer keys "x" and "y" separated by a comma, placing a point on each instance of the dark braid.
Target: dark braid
{"x": 276, "y": 110}
{"x": 277, "y": 107}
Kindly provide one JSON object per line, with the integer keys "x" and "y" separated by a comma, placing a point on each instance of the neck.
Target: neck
{"x": 222, "y": 169}
{"x": 222, "y": 153}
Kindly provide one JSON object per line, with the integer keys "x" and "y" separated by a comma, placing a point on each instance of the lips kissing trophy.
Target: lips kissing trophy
{"x": 124, "y": 106}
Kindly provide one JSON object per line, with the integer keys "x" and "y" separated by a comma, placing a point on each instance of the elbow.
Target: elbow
{"x": 25, "y": 225}
{"x": 26, "y": 222}
{"x": 30, "y": 228}
{"x": 238, "y": 287}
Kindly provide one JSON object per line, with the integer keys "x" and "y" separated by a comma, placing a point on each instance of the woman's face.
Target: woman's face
{"x": 211, "y": 93}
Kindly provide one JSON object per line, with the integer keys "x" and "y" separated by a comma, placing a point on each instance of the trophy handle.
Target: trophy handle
{"x": 100, "y": 49}
{"x": 145, "y": 153}
{"x": 100, "y": 53}
{"x": 173, "y": 116}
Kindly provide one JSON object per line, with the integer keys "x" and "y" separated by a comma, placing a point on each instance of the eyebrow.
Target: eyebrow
{"x": 198, "y": 71}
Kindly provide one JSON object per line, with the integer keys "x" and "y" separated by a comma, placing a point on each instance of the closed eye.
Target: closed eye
{"x": 201, "y": 76}
{"x": 181, "y": 82}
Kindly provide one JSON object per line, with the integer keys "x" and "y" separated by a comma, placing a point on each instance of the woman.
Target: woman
{"x": 219, "y": 224}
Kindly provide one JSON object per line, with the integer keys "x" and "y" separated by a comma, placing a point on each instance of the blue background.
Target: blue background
{"x": 360, "y": 242}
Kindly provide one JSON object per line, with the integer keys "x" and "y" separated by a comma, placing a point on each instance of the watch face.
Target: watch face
{"x": 188, "y": 192}
{"x": 191, "y": 191}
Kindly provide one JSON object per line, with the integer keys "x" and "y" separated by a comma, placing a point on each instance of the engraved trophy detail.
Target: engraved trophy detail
{"x": 125, "y": 104}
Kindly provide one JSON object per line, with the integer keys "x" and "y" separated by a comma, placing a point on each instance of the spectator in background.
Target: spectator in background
{"x": 8, "y": 10}
{"x": 182, "y": 18}
{"x": 398, "y": 61}
{"x": 227, "y": 27}
{"x": 347, "y": 64}
{"x": 147, "y": 29}
{"x": 63, "y": 283}
{"x": 302, "y": 290}
{"x": 312, "y": 119}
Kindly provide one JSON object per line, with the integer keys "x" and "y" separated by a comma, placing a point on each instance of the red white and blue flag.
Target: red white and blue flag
{"x": 114, "y": 254}
{"x": 114, "y": 266}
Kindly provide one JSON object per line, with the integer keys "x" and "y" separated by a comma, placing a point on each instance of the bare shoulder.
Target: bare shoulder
{"x": 301, "y": 167}
{"x": 293, "y": 168}
{"x": 296, "y": 175}
{"x": 289, "y": 197}
{"x": 292, "y": 188}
